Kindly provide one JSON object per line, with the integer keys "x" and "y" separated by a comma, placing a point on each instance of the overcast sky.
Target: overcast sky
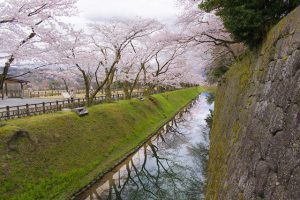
{"x": 100, "y": 10}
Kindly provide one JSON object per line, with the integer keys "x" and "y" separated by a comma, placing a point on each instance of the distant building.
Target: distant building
{"x": 13, "y": 87}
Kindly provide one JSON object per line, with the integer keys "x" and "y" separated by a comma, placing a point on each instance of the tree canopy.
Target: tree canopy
{"x": 248, "y": 21}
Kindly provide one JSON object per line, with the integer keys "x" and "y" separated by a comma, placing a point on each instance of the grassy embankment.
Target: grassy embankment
{"x": 61, "y": 152}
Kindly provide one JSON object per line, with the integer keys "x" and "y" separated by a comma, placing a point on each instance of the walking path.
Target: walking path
{"x": 19, "y": 102}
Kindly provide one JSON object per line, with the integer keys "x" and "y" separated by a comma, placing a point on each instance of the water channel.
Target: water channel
{"x": 169, "y": 166}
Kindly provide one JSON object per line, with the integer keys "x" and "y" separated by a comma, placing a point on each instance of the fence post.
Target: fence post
{"x": 36, "y": 109}
{"x": 27, "y": 110}
{"x": 7, "y": 112}
{"x": 44, "y": 109}
{"x": 57, "y": 108}
{"x": 18, "y": 111}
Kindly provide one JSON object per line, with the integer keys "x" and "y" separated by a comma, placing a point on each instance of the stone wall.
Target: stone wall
{"x": 255, "y": 139}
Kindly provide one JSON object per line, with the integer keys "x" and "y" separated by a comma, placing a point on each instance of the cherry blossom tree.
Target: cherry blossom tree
{"x": 61, "y": 74}
{"x": 206, "y": 34}
{"x": 137, "y": 51}
{"x": 199, "y": 27}
{"x": 166, "y": 51}
{"x": 160, "y": 58}
{"x": 112, "y": 39}
{"x": 128, "y": 72}
{"x": 143, "y": 52}
{"x": 25, "y": 25}
{"x": 75, "y": 51}
{"x": 97, "y": 54}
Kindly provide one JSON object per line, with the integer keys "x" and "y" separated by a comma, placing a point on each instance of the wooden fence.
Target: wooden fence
{"x": 47, "y": 93}
{"x": 13, "y": 94}
{"x": 12, "y": 112}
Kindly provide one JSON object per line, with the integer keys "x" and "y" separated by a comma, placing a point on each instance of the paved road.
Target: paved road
{"x": 18, "y": 102}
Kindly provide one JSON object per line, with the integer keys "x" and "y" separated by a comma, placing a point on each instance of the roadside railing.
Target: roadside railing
{"x": 13, "y": 94}
{"x": 12, "y": 112}
{"x": 46, "y": 93}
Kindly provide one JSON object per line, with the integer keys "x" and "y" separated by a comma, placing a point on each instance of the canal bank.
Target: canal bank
{"x": 51, "y": 156}
{"x": 170, "y": 165}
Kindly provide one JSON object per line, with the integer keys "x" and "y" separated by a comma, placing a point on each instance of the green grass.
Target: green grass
{"x": 63, "y": 152}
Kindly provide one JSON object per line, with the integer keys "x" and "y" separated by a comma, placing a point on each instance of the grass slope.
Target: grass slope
{"x": 63, "y": 152}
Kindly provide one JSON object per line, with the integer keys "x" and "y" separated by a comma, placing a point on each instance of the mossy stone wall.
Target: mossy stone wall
{"x": 255, "y": 139}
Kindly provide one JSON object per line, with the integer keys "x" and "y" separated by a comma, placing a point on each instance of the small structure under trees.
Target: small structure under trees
{"x": 13, "y": 87}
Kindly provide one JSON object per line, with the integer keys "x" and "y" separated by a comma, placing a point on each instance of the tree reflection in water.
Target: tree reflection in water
{"x": 171, "y": 165}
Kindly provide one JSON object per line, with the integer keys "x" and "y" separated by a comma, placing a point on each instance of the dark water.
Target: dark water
{"x": 169, "y": 166}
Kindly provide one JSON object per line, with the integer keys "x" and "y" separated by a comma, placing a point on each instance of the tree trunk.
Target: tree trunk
{"x": 87, "y": 86}
{"x": 136, "y": 79}
{"x": 149, "y": 90}
{"x": 66, "y": 85}
{"x": 160, "y": 89}
{"x": 3, "y": 76}
{"x": 126, "y": 90}
{"x": 109, "y": 82}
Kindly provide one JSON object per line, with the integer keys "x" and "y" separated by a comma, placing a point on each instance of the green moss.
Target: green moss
{"x": 241, "y": 196}
{"x": 64, "y": 152}
{"x": 235, "y": 132}
{"x": 249, "y": 102}
{"x": 285, "y": 57}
